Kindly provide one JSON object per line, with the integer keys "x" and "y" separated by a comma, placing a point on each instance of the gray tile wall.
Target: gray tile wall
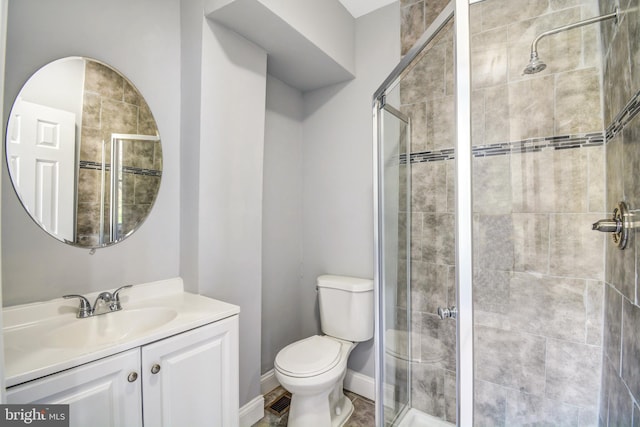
{"x": 620, "y": 392}
{"x": 429, "y": 102}
{"x": 538, "y": 267}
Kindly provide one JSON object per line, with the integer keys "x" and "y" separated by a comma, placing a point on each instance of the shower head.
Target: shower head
{"x": 535, "y": 64}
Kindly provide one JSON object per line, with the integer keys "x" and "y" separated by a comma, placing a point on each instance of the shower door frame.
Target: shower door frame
{"x": 380, "y": 107}
{"x": 459, "y": 10}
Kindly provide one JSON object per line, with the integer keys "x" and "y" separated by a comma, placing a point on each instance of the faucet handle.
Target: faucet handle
{"x": 85, "y": 306}
{"x": 115, "y": 303}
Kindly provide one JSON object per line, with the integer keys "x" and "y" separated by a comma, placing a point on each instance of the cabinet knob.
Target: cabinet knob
{"x": 155, "y": 368}
{"x": 132, "y": 377}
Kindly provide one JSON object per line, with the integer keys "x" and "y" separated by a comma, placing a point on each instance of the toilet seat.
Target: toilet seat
{"x": 309, "y": 357}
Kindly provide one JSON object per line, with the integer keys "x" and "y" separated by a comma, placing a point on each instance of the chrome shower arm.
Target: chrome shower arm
{"x": 534, "y": 45}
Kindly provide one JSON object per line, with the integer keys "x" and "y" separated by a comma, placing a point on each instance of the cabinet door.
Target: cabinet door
{"x": 197, "y": 384}
{"x": 99, "y": 393}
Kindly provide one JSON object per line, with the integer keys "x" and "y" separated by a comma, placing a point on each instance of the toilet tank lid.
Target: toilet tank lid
{"x": 345, "y": 283}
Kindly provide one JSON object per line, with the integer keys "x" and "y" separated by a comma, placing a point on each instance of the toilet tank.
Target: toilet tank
{"x": 346, "y": 307}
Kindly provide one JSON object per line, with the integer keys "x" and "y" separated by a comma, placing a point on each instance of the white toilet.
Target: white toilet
{"x": 313, "y": 369}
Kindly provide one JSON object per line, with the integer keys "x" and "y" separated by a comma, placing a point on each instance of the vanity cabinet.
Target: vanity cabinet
{"x": 99, "y": 393}
{"x": 189, "y": 379}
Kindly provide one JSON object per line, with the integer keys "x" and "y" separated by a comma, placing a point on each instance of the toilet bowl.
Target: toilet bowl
{"x": 313, "y": 369}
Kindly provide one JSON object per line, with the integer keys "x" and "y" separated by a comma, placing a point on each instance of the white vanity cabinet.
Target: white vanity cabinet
{"x": 191, "y": 379}
{"x": 99, "y": 394}
{"x": 188, "y": 379}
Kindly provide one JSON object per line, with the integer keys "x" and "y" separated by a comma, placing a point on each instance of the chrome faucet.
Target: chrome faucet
{"x": 104, "y": 299}
{"x": 100, "y": 306}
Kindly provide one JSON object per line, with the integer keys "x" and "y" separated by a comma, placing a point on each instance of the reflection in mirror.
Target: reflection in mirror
{"x": 83, "y": 152}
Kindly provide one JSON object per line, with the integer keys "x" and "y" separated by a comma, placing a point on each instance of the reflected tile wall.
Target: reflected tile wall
{"x": 621, "y": 373}
{"x": 112, "y": 105}
{"x": 538, "y": 267}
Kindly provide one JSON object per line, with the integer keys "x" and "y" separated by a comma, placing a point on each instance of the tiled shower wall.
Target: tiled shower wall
{"x": 539, "y": 175}
{"x": 620, "y": 396}
{"x": 112, "y": 105}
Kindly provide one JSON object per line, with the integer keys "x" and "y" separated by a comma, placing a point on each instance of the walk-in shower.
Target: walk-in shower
{"x": 490, "y": 283}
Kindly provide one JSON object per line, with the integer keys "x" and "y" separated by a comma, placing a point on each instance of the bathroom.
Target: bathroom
{"x": 256, "y": 203}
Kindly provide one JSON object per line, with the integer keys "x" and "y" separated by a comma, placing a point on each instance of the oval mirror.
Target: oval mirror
{"x": 83, "y": 152}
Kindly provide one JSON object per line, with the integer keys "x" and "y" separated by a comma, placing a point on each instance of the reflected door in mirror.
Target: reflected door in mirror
{"x": 42, "y": 162}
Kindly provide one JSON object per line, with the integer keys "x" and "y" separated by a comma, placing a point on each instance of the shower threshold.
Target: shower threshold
{"x": 415, "y": 418}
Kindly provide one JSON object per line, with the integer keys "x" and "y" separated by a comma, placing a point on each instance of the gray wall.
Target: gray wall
{"x": 310, "y": 17}
{"x": 281, "y": 221}
{"x": 223, "y": 159}
{"x": 318, "y": 206}
{"x": 337, "y": 161}
{"x": 620, "y": 392}
{"x": 140, "y": 39}
{"x": 192, "y": 21}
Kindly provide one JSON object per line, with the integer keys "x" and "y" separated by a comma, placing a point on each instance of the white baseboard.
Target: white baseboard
{"x": 252, "y": 412}
{"x": 353, "y": 381}
{"x": 268, "y": 382}
{"x": 360, "y": 384}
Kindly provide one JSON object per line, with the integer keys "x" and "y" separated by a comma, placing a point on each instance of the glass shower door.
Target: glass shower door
{"x": 394, "y": 130}
{"x": 424, "y": 231}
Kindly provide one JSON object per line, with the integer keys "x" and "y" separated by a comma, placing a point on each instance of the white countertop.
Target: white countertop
{"x": 26, "y": 327}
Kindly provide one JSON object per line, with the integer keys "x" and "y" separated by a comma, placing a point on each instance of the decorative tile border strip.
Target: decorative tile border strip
{"x": 530, "y": 145}
{"x": 624, "y": 117}
{"x": 84, "y": 164}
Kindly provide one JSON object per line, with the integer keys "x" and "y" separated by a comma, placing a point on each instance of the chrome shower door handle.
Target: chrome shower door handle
{"x": 445, "y": 313}
{"x": 618, "y": 226}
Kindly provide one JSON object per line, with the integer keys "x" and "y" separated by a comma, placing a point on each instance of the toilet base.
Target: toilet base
{"x": 346, "y": 409}
{"x": 316, "y": 410}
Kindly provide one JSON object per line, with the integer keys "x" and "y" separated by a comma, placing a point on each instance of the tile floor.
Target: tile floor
{"x": 363, "y": 413}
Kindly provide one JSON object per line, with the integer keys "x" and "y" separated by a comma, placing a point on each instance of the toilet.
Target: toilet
{"x": 313, "y": 369}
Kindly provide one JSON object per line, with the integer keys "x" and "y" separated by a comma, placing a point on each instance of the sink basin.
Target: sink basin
{"x": 43, "y": 338}
{"x": 108, "y": 328}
